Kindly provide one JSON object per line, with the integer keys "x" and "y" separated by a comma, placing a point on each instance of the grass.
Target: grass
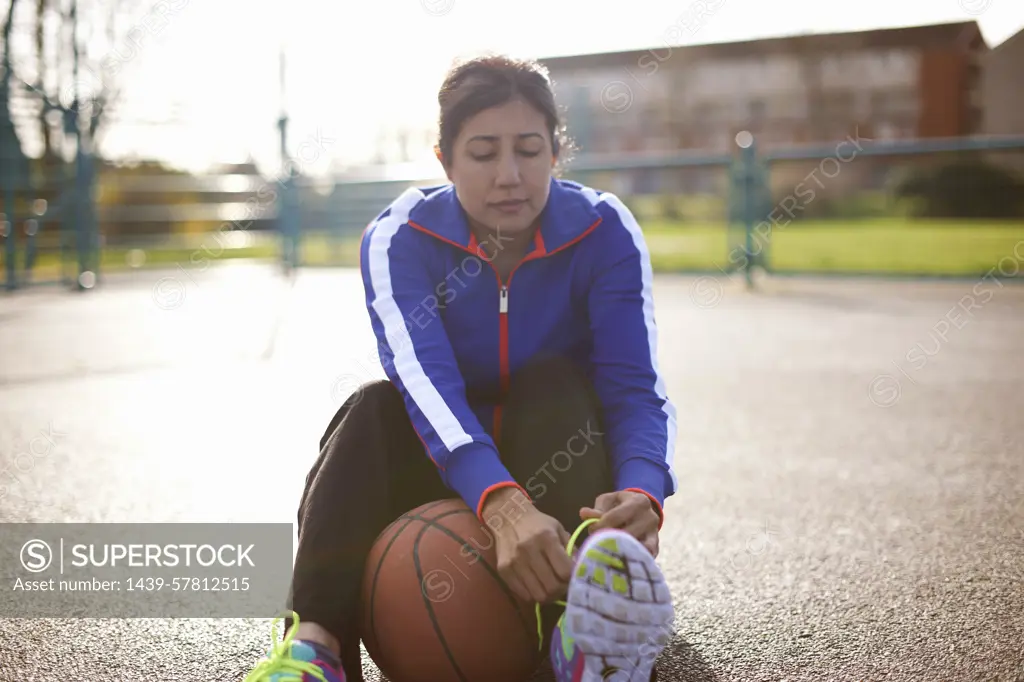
{"x": 890, "y": 246}
{"x": 938, "y": 249}
{"x": 47, "y": 265}
{"x": 320, "y": 249}
{"x": 883, "y": 246}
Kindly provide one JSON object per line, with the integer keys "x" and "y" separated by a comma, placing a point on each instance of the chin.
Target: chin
{"x": 510, "y": 225}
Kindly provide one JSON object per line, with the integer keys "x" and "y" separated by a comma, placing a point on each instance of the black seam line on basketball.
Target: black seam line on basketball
{"x": 487, "y": 567}
{"x": 380, "y": 566}
{"x": 428, "y": 604}
{"x": 418, "y": 516}
{"x": 376, "y": 576}
{"x": 528, "y": 627}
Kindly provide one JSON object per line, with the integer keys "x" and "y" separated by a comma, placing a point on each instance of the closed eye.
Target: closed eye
{"x": 489, "y": 157}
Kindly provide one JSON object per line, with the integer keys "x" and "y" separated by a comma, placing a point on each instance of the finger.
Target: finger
{"x": 554, "y": 584}
{"x": 511, "y": 578}
{"x": 563, "y": 537}
{"x": 561, "y": 563}
{"x": 534, "y": 587}
{"x": 642, "y": 527}
{"x": 618, "y": 517}
{"x": 606, "y": 501}
{"x": 632, "y": 510}
{"x": 544, "y": 581}
{"x": 551, "y": 563}
{"x": 653, "y": 545}
{"x": 589, "y": 513}
{"x": 646, "y": 533}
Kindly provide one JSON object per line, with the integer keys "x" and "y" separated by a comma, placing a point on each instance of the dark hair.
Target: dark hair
{"x": 492, "y": 80}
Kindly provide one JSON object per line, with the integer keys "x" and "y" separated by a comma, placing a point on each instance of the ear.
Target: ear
{"x": 440, "y": 158}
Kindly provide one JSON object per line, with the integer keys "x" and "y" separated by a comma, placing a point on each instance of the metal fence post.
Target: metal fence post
{"x": 10, "y": 238}
{"x": 750, "y": 197}
{"x": 286, "y": 203}
{"x": 81, "y": 235}
{"x": 10, "y": 179}
{"x": 68, "y": 209}
{"x": 91, "y": 218}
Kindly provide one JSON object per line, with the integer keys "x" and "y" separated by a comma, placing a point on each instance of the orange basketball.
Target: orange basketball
{"x": 434, "y": 608}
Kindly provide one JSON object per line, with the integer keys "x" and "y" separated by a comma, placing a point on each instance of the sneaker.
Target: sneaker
{"x": 296, "y": 661}
{"x": 618, "y": 616}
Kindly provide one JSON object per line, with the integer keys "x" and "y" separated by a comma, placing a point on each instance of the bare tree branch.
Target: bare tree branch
{"x": 106, "y": 31}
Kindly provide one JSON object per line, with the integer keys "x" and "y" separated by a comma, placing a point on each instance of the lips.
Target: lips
{"x": 511, "y": 206}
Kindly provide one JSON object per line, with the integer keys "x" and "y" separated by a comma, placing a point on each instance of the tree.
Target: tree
{"x": 14, "y": 170}
{"x": 57, "y": 88}
{"x": 69, "y": 74}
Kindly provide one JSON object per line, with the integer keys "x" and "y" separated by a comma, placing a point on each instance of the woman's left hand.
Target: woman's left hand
{"x": 628, "y": 510}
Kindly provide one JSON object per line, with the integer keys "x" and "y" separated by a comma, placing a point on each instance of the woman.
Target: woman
{"x": 515, "y": 321}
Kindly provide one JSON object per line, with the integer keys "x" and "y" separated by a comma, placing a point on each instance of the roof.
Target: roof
{"x": 965, "y": 34}
{"x": 1010, "y": 42}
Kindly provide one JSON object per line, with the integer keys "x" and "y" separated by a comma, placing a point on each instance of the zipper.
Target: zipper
{"x": 503, "y": 321}
{"x": 503, "y": 296}
{"x": 503, "y": 369}
{"x": 503, "y": 354}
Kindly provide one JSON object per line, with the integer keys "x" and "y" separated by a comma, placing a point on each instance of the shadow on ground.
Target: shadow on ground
{"x": 680, "y": 662}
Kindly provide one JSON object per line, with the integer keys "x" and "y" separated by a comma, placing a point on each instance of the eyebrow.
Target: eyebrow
{"x": 495, "y": 138}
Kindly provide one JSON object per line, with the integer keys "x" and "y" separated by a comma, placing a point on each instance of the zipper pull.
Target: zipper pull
{"x": 503, "y": 305}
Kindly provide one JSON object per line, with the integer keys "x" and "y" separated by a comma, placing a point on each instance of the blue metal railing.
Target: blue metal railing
{"x": 231, "y": 201}
{"x": 294, "y": 210}
{"x": 981, "y": 143}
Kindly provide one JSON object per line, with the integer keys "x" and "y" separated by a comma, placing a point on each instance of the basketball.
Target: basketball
{"x": 434, "y": 608}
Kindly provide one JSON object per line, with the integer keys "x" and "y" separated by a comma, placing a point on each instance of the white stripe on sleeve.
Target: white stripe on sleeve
{"x": 407, "y": 365}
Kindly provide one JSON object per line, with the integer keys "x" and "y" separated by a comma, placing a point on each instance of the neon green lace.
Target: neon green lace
{"x": 568, "y": 548}
{"x": 280, "y": 661}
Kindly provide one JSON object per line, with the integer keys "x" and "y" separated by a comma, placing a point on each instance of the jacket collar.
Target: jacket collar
{"x": 567, "y": 217}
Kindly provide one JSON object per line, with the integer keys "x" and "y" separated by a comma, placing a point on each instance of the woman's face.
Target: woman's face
{"x": 501, "y": 167}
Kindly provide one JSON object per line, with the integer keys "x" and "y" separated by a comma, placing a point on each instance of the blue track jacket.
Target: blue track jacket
{"x": 583, "y": 292}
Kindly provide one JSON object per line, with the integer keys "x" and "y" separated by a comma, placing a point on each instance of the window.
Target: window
{"x": 838, "y": 105}
{"x": 976, "y": 121}
{"x": 757, "y": 111}
{"x": 894, "y": 104}
{"x": 703, "y": 114}
{"x": 789, "y": 105}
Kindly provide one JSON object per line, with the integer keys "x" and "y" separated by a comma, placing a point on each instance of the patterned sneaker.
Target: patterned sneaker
{"x": 296, "y": 661}
{"x": 619, "y": 614}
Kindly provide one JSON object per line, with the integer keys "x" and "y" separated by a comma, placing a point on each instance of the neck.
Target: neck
{"x": 495, "y": 242}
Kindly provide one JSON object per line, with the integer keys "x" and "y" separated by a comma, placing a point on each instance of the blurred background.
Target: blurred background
{"x": 833, "y": 198}
{"x": 142, "y": 134}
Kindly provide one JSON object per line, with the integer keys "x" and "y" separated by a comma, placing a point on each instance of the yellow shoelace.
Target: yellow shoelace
{"x": 568, "y": 548}
{"x": 280, "y": 660}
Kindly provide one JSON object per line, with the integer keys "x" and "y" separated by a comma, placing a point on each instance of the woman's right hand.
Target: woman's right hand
{"x": 530, "y": 546}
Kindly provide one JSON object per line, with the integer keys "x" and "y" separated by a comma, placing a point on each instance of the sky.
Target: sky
{"x": 353, "y": 68}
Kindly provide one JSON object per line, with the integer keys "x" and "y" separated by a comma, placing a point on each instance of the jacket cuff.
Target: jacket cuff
{"x": 644, "y": 476}
{"x": 473, "y": 471}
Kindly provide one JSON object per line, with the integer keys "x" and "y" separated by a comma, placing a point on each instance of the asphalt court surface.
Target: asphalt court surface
{"x": 850, "y": 452}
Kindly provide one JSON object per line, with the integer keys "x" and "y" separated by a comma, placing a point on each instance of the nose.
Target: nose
{"x": 508, "y": 171}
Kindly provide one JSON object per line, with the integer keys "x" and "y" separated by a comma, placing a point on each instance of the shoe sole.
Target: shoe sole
{"x": 619, "y": 609}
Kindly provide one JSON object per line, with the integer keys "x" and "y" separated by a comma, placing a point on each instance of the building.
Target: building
{"x": 1003, "y": 87}
{"x": 922, "y": 81}
{"x": 1003, "y": 96}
